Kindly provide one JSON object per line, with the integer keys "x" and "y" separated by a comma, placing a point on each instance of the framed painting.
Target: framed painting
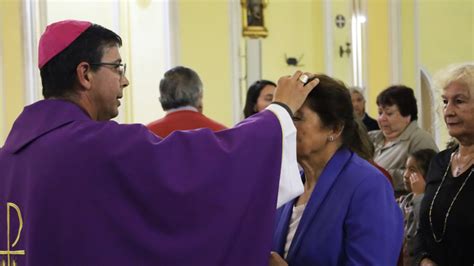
{"x": 253, "y": 18}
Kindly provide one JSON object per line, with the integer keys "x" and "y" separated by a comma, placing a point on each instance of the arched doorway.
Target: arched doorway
{"x": 429, "y": 117}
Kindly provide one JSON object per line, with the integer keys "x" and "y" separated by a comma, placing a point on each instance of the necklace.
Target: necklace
{"x": 459, "y": 168}
{"x": 438, "y": 240}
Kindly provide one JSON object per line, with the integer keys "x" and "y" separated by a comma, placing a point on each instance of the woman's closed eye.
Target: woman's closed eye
{"x": 296, "y": 118}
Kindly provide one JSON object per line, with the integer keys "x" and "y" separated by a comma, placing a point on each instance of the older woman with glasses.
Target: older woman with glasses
{"x": 446, "y": 234}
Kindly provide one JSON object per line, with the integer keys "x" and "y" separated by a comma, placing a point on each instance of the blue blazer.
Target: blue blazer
{"x": 351, "y": 218}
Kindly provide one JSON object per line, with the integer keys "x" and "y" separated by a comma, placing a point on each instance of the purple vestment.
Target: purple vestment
{"x": 100, "y": 193}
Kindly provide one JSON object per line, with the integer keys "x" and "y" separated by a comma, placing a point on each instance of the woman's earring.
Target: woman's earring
{"x": 331, "y": 138}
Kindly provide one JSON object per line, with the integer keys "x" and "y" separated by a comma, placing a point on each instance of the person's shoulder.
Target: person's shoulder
{"x": 415, "y": 133}
{"x": 418, "y": 132}
{"x": 156, "y": 122}
{"x": 111, "y": 132}
{"x": 443, "y": 157}
{"x": 438, "y": 166}
{"x": 364, "y": 180}
{"x": 375, "y": 135}
{"x": 360, "y": 170}
{"x": 421, "y": 139}
{"x": 214, "y": 124}
{"x": 368, "y": 118}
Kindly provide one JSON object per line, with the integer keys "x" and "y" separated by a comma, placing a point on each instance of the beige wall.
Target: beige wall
{"x": 378, "y": 55}
{"x": 446, "y": 36}
{"x": 295, "y": 29}
{"x": 204, "y": 39}
{"x": 407, "y": 42}
{"x": 342, "y": 66}
{"x": 446, "y": 32}
{"x": 12, "y": 65}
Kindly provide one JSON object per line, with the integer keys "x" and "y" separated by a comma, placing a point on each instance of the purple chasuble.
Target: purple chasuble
{"x": 101, "y": 193}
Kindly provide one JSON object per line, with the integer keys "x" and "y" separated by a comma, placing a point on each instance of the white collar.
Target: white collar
{"x": 182, "y": 108}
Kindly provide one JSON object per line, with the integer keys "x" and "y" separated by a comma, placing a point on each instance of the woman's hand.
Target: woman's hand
{"x": 417, "y": 183}
{"x": 427, "y": 262}
{"x": 276, "y": 260}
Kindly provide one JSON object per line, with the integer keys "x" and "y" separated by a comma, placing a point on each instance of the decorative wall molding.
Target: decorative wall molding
{"x": 395, "y": 41}
{"x": 171, "y": 15}
{"x": 33, "y": 20}
{"x": 3, "y": 124}
{"x": 235, "y": 60}
{"x": 328, "y": 38}
{"x": 417, "y": 55}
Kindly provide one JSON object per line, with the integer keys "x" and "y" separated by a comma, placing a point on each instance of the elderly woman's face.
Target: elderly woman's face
{"x": 458, "y": 110}
{"x": 358, "y": 103}
{"x": 391, "y": 122}
{"x": 312, "y": 136}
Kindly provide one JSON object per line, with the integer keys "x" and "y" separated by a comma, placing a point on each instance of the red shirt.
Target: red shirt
{"x": 183, "y": 120}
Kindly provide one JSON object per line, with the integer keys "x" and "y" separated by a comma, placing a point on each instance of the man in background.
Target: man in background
{"x": 358, "y": 102}
{"x": 181, "y": 97}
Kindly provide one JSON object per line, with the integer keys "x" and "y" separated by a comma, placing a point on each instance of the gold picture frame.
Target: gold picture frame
{"x": 253, "y": 18}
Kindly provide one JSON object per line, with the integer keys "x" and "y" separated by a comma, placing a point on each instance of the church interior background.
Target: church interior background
{"x": 368, "y": 43}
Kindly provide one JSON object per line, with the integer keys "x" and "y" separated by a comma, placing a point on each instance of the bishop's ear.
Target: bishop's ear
{"x": 84, "y": 75}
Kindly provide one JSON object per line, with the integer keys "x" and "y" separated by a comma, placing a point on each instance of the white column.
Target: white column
{"x": 234, "y": 55}
{"x": 328, "y": 37}
{"x": 254, "y": 60}
{"x": 31, "y": 26}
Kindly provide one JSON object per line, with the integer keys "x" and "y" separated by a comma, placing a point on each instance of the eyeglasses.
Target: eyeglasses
{"x": 121, "y": 68}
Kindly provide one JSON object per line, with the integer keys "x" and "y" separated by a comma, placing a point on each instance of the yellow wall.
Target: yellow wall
{"x": 446, "y": 32}
{"x": 378, "y": 56}
{"x": 407, "y": 39}
{"x": 12, "y": 64}
{"x": 445, "y": 41}
{"x": 205, "y": 47}
{"x": 295, "y": 28}
{"x": 342, "y": 66}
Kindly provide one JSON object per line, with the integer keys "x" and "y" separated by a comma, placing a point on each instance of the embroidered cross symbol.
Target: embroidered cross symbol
{"x": 9, "y": 252}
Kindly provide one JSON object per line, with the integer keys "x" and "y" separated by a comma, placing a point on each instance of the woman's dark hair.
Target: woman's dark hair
{"x": 59, "y": 74}
{"x": 423, "y": 158}
{"x": 401, "y": 96}
{"x": 332, "y": 102}
{"x": 252, "y": 95}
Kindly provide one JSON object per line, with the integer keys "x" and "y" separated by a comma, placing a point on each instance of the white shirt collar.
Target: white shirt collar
{"x": 182, "y": 108}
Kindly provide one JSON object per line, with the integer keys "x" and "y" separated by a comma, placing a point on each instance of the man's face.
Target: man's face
{"x": 358, "y": 103}
{"x": 107, "y": 85}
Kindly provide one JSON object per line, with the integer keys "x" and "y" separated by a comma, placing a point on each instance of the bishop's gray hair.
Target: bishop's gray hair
{"x": 181, "y": 86}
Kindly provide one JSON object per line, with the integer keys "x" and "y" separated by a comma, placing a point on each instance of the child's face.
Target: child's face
{"x": 411, "y": 166}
